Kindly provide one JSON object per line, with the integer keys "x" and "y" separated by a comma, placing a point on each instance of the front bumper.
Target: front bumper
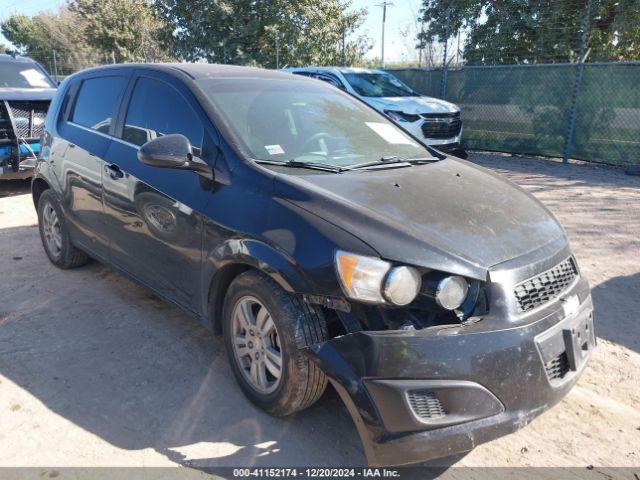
{"x": 415, "y": 128}
{"x": 475, "y": 385}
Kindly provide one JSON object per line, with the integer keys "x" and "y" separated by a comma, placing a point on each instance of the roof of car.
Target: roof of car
{"x": 199, "y": 71}
{"x": 336, "y": 69}
{"x": 5, "y": 57}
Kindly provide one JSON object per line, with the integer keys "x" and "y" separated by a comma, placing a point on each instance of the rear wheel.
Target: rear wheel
{"x": 54, "y": 234}
{"x": 264, "y": 330}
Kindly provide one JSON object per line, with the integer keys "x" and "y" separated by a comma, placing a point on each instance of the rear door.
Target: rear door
{"x": 85, "y": 131}
{"x": 152, "y": 213}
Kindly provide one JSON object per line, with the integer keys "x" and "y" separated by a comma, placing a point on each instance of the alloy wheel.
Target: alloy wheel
{"x": 51, "y": 230}
{"x": 256, "y": 345}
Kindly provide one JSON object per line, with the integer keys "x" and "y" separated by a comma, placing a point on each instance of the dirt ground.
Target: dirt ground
{"x": 95, "y": 371}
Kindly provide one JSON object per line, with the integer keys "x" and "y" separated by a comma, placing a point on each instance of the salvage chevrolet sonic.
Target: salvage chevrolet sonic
{"x": 442, "y": 302}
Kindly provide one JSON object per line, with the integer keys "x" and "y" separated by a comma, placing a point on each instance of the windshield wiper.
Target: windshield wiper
{"x": 327, "y": 167}
{"x": 394, "y": 160}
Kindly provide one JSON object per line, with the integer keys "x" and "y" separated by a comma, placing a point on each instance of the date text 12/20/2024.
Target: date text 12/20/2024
{"x": 308, "y": 472}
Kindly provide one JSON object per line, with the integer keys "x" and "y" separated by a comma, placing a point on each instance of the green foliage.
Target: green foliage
{"x": 43, "y": 34}
{"x": 246, "y": 32}
{"x": 128, "y": 30}
{"x": 535, "y": 31}
{"x": 84, "y": 33}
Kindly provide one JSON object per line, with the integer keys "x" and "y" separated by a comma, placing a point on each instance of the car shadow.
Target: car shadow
{"x": 106, "y": 354}
{"x": 10, "y": 188}
{"x": 572, "y": 175}
{"x": 616, "y": 318}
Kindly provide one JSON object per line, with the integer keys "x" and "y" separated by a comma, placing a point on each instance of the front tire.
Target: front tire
{"x": 54, "y": 234}
{"x": 265, "y": 330}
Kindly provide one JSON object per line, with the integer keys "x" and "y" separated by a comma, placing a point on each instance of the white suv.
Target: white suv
{"x": 434, "y": 121}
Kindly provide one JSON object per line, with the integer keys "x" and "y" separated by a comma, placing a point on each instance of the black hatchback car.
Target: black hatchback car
{"x": 442, "y": 302}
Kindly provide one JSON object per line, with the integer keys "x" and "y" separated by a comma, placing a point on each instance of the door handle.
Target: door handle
{"x": 114, "y": 171}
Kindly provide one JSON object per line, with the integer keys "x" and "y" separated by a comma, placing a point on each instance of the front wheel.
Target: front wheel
{"x": 265, "y": 329}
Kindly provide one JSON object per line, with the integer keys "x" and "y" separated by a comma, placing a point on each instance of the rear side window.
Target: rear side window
{"x": 157, "y": 109}
{"x": 97, "y": 102}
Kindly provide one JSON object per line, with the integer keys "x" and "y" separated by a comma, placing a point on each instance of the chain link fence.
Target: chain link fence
{"x": 548, "y": 78}
{"x": 528, "y": 108}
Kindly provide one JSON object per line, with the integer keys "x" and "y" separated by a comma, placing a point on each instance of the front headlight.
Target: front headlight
{"x": 451, "y": 292}
{"x": 402, "y": 285}
{"x": 398, "y": 116}
{"x": 361, "y": 277}
{"x": 372, "y": 280}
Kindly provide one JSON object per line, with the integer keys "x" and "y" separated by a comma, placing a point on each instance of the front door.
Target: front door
{"x": 153, "y": 214}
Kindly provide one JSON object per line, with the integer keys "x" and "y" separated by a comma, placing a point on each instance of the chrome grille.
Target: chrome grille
{"x": 425, "y": 404}
{"x": 545, "y": 287}
{"x": 441, "y": 125}
{"x": 28, "y": 118}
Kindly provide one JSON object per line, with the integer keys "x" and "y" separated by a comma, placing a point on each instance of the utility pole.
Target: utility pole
{"x": 384, "y": 6}
{"x": 277, "y": 50}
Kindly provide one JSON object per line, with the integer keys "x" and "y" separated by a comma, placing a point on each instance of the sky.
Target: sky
{"x": 401, "y": 19}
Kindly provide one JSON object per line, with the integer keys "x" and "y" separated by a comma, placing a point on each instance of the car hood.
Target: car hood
{"x": 413, "y": 105}
{"x": 26, "y": 94}
{"x": 449, "y": 215}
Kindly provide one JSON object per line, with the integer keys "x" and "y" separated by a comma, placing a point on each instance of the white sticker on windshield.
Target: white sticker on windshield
{"x": 390, "y": 133}
{"x": 35, "y": 78}
{"x": 274, "y": 149}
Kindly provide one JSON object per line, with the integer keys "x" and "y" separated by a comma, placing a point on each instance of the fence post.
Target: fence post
{"x": 344, "y": 44}
{"x": 577, "y": 85}
{"x": 445, "y": 64}
{"x": 55, "y": 67}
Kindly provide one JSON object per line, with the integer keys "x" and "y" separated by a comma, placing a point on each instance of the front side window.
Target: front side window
{"x": 97, "y": 102}
{"x": 23, "y": 75}
{"x": 378, "y": 85}
{"x": 283, "y": 120}
{"x": 157, "y": 109}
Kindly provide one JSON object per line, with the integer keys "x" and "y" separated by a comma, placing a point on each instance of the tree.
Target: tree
{"x": 246, "y": 32}
{"x": 45, "y": 35}
{"x": 535, "y": 31}
{"x": 126, "y": 30}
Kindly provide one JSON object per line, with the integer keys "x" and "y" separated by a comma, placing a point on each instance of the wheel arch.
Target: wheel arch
{"x": 235, "y": 257}
{"x": 38, "y": 186}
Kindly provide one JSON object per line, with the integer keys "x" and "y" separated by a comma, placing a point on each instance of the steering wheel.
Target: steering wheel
{"x": 314, "y": 138}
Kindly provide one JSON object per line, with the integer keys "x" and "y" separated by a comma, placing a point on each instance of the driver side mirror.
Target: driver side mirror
{"x": 172, "y": 151}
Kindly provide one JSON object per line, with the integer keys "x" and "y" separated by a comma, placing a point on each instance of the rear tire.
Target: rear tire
{"x": 54, "y": 234}
{"x": 299, "y": 382}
